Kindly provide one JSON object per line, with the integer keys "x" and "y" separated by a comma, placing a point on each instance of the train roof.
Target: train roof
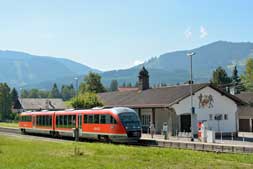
{"x": 115, "y": 110}
{"x": 38, "y": 113}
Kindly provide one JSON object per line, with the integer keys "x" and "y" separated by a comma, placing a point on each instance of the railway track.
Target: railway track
{"x": 198, "y": 146}
{"x": 16, "y": 132}
{"x": 9, "y": 130}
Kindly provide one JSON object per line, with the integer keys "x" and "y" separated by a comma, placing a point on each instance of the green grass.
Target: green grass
{"x": 5, "y": 124}
{"x": 20, "y": 153}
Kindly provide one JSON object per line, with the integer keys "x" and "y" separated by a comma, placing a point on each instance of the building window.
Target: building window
{"x": 145, "y": 119}
{"x": 218, "y": 117}
{"x": 210, "y": 117}
{"x": 225, "y": 116}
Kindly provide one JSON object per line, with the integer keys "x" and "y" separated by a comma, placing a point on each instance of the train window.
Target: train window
{"x": 96, "y": 118}
{"x": 90, "y": 118}
{"x": 44, "y": 120}
{"x": 102, "y": 119}
{"x": 61, "y": 121}
{"x": 71, "y": 121}
{"x": 112, "y": 120}
{"x": 26, "y": 118}
{"x": 107, "y": 119}
{"x": 65, "y": 121}
{"x": 57, "y": 120}
{"x": 85, "y": 118}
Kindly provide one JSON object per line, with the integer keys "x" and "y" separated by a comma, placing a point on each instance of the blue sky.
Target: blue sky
{"x": 115, "y": 34}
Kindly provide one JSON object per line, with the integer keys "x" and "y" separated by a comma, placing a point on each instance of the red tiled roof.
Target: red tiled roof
{"x": 123, "y": 89}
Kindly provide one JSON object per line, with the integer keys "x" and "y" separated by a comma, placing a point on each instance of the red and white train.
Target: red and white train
{"x": 112, "y": 124}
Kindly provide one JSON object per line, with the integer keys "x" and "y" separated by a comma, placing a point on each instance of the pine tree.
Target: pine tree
{"x": 5, "y": 101}
{"x": 124, "y": 84}
{"x": 55, "y": 92}
{"x": 129, "y": 84}
{"x": 236, "y": 81}
{"x": 24, "y": 93}
{"x": 14, "y": 96}
{"x": 136, "y": 84}
{"x": 114, "y": 85}
{"x": 235, "y": 78}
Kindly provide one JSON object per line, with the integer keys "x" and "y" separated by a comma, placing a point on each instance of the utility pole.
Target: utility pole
{"x": 76, "y": 79}
{"x": 191, "y": 93}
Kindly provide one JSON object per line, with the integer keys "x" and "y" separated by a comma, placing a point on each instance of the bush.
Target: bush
{"x": 85, "y": 101}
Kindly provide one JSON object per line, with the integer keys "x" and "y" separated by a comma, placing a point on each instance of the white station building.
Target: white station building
{"x": 172, "y": 105}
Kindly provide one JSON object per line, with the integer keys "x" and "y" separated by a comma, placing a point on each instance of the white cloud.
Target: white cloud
{"x": 188, "y": 33}
{"x": 138, "y": 62}
{"x": 203, "y": 32}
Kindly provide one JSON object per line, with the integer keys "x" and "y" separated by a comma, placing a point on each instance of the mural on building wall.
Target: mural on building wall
{"x": 205, "y": 101}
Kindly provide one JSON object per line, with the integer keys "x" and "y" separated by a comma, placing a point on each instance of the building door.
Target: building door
{"x": 80, "y": 124}
{"x": 251, "y": 125}
{"x": 185, "y": 121}
{"x": 146, "y": 118}
{"x": 34, "y": 121}
{"x": 244, "y": 125}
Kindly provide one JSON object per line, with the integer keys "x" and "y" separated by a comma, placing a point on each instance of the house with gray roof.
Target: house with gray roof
{"x": 246, "y": 112}
{"x": 38, "y": 104}
{"x": 171, "y": 105}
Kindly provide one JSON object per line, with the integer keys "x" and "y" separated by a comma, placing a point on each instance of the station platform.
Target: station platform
{"x": 226, "y": 144}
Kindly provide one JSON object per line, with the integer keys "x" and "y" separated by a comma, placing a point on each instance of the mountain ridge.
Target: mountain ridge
{"x": 208, "y": 57}
{"x": 20, "y": 69}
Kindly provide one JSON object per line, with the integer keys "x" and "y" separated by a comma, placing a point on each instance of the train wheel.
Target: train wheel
{"x": 104, "y": 139}
{"x": 23, "y": 131}
{"x": 52, "y": 133}
{"x": 107, "y": 139}
{"x": 57, "y": 134}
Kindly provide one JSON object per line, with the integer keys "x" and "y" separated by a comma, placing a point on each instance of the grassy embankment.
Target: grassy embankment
{"x": 20, "y": 153}
{"x": 5, "y": 124}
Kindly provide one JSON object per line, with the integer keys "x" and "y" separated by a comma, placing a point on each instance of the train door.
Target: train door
{"x": 80, "y": 124}
{"x": 34, "y": 121}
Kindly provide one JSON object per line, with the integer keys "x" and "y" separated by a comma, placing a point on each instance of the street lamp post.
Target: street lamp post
{"x": 191, "y": 93}
{"x": 76, "y": 79}
{"x": 20, "y": 98}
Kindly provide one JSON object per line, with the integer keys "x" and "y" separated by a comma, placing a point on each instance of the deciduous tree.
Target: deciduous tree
{"x": 85, "y": 101}
{"x": 67, "y": 92}
{"x": 92, "y": 83}
{"x": 247, "y": 77}
{"x": 220, "y": 77}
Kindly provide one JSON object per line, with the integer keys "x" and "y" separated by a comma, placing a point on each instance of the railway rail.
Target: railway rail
{"x": 209, "y": 147}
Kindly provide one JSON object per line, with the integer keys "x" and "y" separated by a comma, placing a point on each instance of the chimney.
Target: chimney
{"x": 143, "y": 79}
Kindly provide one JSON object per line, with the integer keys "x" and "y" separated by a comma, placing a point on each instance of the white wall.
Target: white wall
{"x": 161, "y": 116}
{"x": 221, "y": 105}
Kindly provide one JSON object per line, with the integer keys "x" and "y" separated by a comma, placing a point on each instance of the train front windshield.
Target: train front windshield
{"x": 130, "y": 120}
